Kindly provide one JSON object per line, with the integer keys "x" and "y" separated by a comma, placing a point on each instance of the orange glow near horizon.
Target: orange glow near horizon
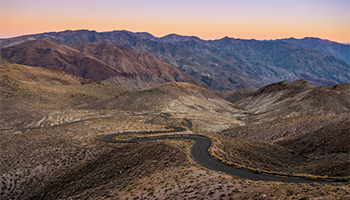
{"x": 252, "y": 19}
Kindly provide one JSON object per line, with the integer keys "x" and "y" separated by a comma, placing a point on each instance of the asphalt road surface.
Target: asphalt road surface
{"x": 199, "y": 153}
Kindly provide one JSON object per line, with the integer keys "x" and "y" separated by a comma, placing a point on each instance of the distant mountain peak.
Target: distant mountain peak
{"x": 121, "y": 31}
{"x": 178, "y": 38}
{"x": 318, "y": 39}
{"x": 226, "y": 38}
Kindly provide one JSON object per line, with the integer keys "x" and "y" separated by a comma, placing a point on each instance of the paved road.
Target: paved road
{"x": 199, "y": 153}
{"x": 188, "y": 123}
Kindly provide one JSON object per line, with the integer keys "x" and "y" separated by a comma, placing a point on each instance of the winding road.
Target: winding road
{"x": 199, "y": 152}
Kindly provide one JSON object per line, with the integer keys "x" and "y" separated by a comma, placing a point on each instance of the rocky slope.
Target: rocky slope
{"x": 338, "y": 50}
{"x": 99, "y": 62}
{"x": 50, "y": 55}
{"x": 138, "y": 70}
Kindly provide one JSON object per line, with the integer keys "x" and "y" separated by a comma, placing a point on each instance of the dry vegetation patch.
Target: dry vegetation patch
{"x": 64, "y": 160}
{"x": 200, "y": 183}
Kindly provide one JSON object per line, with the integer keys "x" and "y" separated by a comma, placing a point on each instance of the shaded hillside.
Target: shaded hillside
{"x": 340, "y": 51}
{"x": 223, "y": 64}
{"x": 240, "y": 94}
{"x": 287, "y": 99}
{"x": 4, "y": 60}
{"x": 334, "y": 138}
{"x": 330, "y": 144}
{"x": 285, "y": 128}
{"x": 322, "y": 151}
{"x": 138, "y": 70}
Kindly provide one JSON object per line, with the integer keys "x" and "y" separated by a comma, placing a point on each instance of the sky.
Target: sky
{"x": 207, "y": 19}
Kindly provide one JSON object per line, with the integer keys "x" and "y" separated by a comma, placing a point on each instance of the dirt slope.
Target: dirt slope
{"x": 42, "y": 53}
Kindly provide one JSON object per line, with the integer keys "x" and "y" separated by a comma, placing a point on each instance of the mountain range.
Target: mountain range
{"x": 338, "y": 50}
{"x": 97, "y": 61}
{"x": 223, "y": 64}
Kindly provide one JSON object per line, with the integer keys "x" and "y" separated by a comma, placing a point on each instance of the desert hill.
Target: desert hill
{"x": 305, "y": 125}
{"x": 287, "y": 99}
{"x": 24, "y": 81}
{"x": 28, "y": 91}
{"x": 168, "y": 97}
{"x": 58, "y": 90}
{"x": 315, "y": 145}
{"x": 330, "y": 144}
{"x": 289, "y": 109}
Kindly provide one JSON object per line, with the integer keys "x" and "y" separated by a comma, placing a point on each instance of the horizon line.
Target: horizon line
{"x": 211, "y": 39}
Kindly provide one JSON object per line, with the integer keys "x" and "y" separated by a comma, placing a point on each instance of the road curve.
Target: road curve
{"x": 188, "y": 123}
{"x": 199, "y": 153}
